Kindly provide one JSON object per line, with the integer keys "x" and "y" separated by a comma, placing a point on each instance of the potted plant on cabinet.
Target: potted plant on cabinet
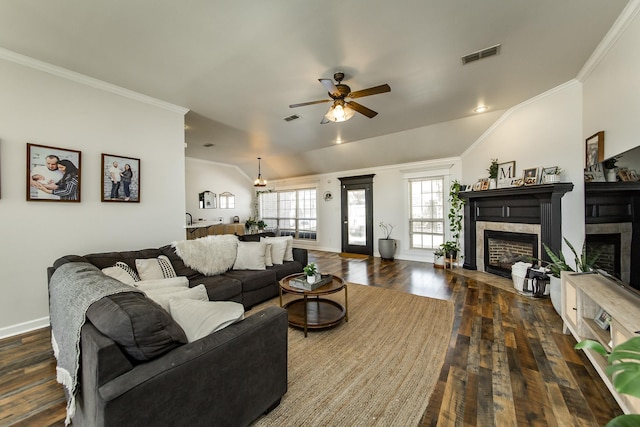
{"x": 387, "y": 245}
{"x": 585, "y": 262}
{"x": 451, "y": 247}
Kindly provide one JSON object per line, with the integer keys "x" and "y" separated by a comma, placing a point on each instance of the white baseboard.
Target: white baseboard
{"x": 24, "y": 327}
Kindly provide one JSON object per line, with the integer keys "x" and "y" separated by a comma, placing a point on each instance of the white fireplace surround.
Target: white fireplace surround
{"x": 510, "y": 227}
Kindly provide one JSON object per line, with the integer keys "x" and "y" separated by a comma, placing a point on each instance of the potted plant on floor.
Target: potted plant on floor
{"x": 584, "y": 262}
{"x": 438, "y": 255}
{"x": 387, "y": 245}
{"x": 451, "y": 247}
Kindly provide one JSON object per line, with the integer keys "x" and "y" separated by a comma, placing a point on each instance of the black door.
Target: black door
{"x": 357, "y": 214}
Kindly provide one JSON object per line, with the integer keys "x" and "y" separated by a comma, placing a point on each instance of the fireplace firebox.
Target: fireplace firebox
{"x": 502, "y": 249}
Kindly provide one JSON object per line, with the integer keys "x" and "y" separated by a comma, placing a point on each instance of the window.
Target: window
{"x": 292, "y": 212}
{"x": 426, "y": 220}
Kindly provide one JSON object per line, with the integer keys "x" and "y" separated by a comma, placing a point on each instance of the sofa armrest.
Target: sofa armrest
{"x": 242, "y": 366}
{"x": 301, "y": 255}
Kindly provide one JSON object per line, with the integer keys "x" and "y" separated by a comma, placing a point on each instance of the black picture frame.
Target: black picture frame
{"x": 506, "y": 173}
{"x": 48, "y": 184}
{"x": 120, "y": 191}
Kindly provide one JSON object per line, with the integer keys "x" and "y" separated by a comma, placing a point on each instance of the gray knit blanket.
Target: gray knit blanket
{"x": 73, "y": 288}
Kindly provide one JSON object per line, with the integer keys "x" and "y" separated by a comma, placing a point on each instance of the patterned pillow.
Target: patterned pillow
{"x": 122, "y": 272}
{"x": 155, "y": 268}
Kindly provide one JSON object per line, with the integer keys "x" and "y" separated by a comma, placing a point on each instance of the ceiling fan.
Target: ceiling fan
{"x": 342, "y": 110}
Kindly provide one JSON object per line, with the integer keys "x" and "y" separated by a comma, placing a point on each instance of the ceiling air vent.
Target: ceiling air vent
{"x": 481, "y": 54}
{"x": 291, "y": 118}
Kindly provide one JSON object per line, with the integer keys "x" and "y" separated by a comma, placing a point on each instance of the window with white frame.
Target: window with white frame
{"x": 426, "y": 212}
{"x": 292, "y": 212}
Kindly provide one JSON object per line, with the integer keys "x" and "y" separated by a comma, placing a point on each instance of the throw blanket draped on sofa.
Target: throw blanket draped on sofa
{"x": 209, "y": 255}
{"x": 73, "y": 288}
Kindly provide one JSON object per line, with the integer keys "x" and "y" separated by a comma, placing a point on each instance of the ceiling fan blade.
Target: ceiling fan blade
{"x": 302, "y": 104}
{"x": 330, "y": 86}
{"x": 362, "y": 109}
{"x": 324, "y": 121}
{"x": 371, "y": 91}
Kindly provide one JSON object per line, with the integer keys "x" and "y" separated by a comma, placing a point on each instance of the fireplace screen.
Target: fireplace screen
{"x": 503, "y": 249}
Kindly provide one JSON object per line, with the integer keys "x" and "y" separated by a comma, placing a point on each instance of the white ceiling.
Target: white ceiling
{"x": 237, "y": 65}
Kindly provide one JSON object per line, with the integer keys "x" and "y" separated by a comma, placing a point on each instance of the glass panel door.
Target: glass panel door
{"x": 357, "y": 217}
{"x": 357, "y": 214}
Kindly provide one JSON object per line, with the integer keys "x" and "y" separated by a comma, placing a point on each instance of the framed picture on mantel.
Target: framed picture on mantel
{"x": 506, "y": 173}
{"x": 594, "y": 149}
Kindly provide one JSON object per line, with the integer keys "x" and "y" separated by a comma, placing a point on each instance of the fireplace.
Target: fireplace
{"x": 502, "y": 249}
{"x": 534, "y": 210}
{"x": 607, "y": 246}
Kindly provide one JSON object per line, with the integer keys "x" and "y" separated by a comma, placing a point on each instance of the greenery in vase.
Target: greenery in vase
{"x": 310, "y": 269}
{"x": 493, "y": 169}
{"x": 387, "y": 228}
{"x": 623, "y": 367}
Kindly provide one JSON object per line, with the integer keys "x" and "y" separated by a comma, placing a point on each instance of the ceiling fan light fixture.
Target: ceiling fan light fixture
{"x": 339, "y": 112}
{"x": 260, "y": 181}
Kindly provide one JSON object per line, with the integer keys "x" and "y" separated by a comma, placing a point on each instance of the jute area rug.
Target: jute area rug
{"x": 379, "y": 368}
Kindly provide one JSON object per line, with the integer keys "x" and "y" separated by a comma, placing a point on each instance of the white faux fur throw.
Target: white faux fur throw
{"x": 209, "y": 255}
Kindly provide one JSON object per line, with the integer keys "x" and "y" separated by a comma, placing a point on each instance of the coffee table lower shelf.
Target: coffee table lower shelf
{"x": 320, "y": 313}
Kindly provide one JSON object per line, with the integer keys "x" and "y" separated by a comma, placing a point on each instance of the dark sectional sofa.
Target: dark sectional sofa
{"x": 228, "y": 378}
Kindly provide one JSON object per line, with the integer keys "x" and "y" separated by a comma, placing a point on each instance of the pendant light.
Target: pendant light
{"x": 260, "y": 181}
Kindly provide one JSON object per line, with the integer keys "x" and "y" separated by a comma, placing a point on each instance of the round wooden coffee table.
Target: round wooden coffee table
{"x": 312, "y": 312}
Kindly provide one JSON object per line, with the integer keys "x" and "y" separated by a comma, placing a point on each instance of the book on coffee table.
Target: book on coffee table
{"x": 301, "y": 282}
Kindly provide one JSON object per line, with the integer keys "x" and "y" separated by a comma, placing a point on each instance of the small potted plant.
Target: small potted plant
{"x": 387, "y": 245}
{"x": 452, "y": 247}
{"x": 438, "y": 261}
{"x": 493, "y": 173}
{"x": 311, "y": 271}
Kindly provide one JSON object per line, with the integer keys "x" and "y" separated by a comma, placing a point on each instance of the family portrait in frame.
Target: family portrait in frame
{"x": 120, "y": 179}
{"x": 594, "y": 149}
{"x": 53, "y": 174}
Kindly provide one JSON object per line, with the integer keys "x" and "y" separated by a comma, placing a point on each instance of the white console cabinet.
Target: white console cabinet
{"x": 583, "y": 295}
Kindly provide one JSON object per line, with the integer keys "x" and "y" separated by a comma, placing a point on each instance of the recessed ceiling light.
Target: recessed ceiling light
{"x": 480, "y": 109}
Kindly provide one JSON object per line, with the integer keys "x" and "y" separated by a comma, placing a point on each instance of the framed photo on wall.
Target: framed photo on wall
{"x": 594, "y": 149}
{"x": 120, "y": 179}
{"x": 53, "y": 174}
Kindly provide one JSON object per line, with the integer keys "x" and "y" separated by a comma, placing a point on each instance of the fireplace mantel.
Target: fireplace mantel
{"x": 536, "y": 204}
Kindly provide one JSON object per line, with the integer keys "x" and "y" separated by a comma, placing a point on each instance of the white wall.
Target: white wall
{"x": 46, "y": 108}
{"x": 612, "y": 90}
{"x": 544, "y": 131}
{"x": 202, "y": 175}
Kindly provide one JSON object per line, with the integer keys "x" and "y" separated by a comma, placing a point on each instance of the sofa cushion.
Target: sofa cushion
{"x": 199, "y": 319}
{"x": 250, "y": 256}
{"x": 288, "y": 254}
{"x": 286, "y": 268}
{"x": 278, "y": 249}
{"x": 123, "y": 273}
{"x": 253, "y": 279}
{"x": 170, "y": 282}
{"x": 107, "y": 259}
{"x": 141, "y": 327}
{"x": 155, "y": 268}
{"x": 163, "y": 295}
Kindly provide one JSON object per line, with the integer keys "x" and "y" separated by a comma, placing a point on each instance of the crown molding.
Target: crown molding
{"x": 615, "y": 32}
{"x": 36, "y": 64}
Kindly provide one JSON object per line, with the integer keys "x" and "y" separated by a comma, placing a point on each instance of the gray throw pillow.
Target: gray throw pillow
{"x": 142, "y": 328}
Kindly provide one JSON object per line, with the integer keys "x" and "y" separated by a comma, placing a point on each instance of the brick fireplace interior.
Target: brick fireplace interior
{"x": 502, "y": 249}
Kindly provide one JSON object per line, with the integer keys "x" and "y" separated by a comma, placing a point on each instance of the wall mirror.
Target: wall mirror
{"x": 207, "y": 200}
{"x": 227, "y": 200}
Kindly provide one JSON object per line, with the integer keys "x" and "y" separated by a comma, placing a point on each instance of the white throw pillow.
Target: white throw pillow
{"x": 278, "y": 248}
{"x": 267, "y": 255}
{"x": 155, "y": 268}
{"x": 171, "y": 282}
{"x": 250, "y": 256}
{"x": 123, "y": 273}
{"x": 288, "y": 254}
{"x": 162, "y": 296}
{"x": 199, "y": 319}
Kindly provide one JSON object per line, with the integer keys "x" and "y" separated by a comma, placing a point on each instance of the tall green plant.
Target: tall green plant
{"x": 583, "y": 262}
{"x": 624, "y": 370}
{"x": 455, "y": 213}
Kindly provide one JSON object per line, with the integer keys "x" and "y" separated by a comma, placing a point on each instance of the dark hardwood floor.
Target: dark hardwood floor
{"x": 508, "y": 362}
